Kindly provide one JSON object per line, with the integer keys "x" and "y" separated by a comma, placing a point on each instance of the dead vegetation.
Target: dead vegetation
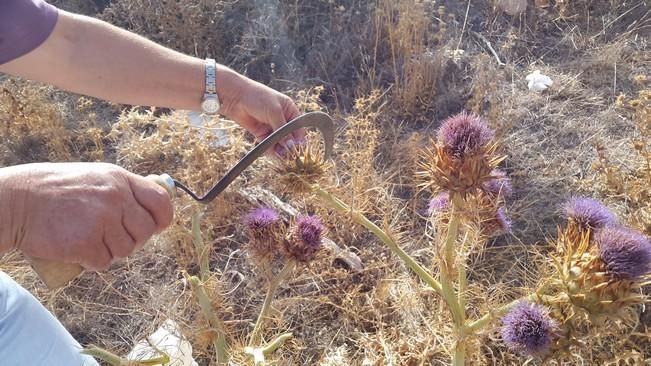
{"x": 388, "y": 71}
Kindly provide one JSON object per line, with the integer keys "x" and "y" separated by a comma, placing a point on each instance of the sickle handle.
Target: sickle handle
{"x": 58, "y": 274}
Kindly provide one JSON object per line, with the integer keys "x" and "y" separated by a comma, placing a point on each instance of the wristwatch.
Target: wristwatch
{"x": 210, "y": 103}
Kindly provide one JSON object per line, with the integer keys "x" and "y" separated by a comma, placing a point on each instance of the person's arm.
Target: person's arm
{"x": 91, "y": 57}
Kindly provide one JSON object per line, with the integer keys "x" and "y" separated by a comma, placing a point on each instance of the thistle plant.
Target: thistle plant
{"x": 268, "y": 236}
{"x": 600, "y": 265}
{"x": 461, "y": 169}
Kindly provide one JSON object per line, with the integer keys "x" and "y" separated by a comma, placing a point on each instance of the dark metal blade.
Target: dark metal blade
{"x": 319, "y": 120}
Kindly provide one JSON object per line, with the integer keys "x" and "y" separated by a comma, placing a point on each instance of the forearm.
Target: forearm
{"x": 10, "y": 198}
{"x": 91, "y": 57}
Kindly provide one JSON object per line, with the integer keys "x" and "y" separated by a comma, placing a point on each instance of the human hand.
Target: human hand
{"x": 86, "y": 213}
{"x": 256, "y": 107}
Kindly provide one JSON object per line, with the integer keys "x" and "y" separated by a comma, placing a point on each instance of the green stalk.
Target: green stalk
{"x": 115, "y": 360}
{"x": 492, "y": 315}
{"x": 219, "y": 341}
{"x": 200, "y": 247}
{"x": 344, "y": 209}
{"x": 276, "y": 343}
{"x": 449, "y": 294}
{"x": 266, "y": 305}
{"x": 104, "y": 355}
{"x": 459, "y": 356}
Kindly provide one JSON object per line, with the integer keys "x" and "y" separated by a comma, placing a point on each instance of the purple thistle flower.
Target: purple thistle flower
{"x": 309, "y": 230}
{"x": 528, "y": 328}
{"x": 261, "y": 219}
{"x": 464, "y": 134}
{"x": 499, "y": 185}
{"x": 439, "y": 203}
{"x": 503, "y": 221}
{"x": 307, "y": 238}
{"x": 626, "y": 252}
{"x": 589, "y": 213}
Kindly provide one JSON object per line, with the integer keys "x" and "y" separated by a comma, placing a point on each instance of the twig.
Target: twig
{"x": 488, "y": 45}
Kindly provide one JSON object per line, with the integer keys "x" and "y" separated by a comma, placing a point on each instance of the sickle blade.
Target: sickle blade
{"x": 319, "y": 120}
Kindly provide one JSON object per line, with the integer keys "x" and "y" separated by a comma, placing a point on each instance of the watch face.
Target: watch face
{"x": 210, "y": 105}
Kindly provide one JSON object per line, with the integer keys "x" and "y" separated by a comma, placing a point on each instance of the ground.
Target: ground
{"x": 388, "y": 72}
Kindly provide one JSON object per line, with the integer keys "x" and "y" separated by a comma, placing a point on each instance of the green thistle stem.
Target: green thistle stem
{"x": 200, "y": 247}
{"x": 219, "y": 341}
{"x": 115, "y": 360}
{"x": 359, "y": 218}
{"x": 459, "y": 356}
{"x": 104, "y": 355}
{"x": 266, "y": 305}
{"x": 276, "y": 343}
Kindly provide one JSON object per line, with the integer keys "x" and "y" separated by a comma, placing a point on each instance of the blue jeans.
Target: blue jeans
{"x": 30, "y": 335}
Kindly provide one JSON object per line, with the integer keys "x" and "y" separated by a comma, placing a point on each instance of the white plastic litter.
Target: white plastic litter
{"x": 167, "y": 338}
{"x": 538, "y": 82}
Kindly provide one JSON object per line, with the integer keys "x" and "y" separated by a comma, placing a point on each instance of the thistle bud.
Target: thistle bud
{"x": 625, "y": 252}
{"x": 588, "y": 214}
{"x": 303, "y": 166}
{"x": 605, "y": 270}
{"x": 265, "y": 230}
{"x": 499, "y": 185}
{"x": 464, "y": 135}
{"x": 497, "y": 225}
{"x": 463, "y": 157}
{"x": 306, "y": 238}
{"x": 439, "y": 203}
{"x": 528, "y": 328}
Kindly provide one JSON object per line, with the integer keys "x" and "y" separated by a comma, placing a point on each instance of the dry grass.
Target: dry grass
{"x": 388, "y": 72}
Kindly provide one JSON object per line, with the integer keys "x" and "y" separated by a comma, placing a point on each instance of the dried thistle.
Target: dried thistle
{"x": 305, "y": 165}
{"x": 463, "y": 158}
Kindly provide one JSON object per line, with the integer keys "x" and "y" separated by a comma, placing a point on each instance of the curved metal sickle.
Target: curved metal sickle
{"x": 318, "y": 120}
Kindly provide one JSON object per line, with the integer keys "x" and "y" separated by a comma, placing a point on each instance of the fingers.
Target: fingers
{"x": 154, "y": 200}
{"x": 96, "y": 257}
{"x": 139, "y": 224}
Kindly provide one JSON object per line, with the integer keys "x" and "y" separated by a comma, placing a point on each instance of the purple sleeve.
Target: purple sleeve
{"x": 24, "y": 25}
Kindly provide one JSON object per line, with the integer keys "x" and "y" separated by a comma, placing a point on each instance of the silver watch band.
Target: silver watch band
{"x": 211, "y": 70}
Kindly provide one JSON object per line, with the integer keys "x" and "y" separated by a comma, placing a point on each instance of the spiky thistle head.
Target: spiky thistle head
{"x": 499, "y": 185}
{"x": 463, "y": 157}
{"x": 439, "y": 203}
{"x": 306, "y": 239}
{"x": 625, "y": 252}
{"x": 464, "y": 135}
{"x": 498, "y": 223}
{"x": 588, "y": 214}
{"x": 265, "y": 230}
{"x": 602, "y": 271}
{"x": 528, "y": 328}
{"x": 303, "y": 166}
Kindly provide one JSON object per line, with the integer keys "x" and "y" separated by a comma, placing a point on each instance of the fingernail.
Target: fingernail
{"x": 280, "y": 151}
{"x": 290, "y": 144}
{"x": 301, "y": 141}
